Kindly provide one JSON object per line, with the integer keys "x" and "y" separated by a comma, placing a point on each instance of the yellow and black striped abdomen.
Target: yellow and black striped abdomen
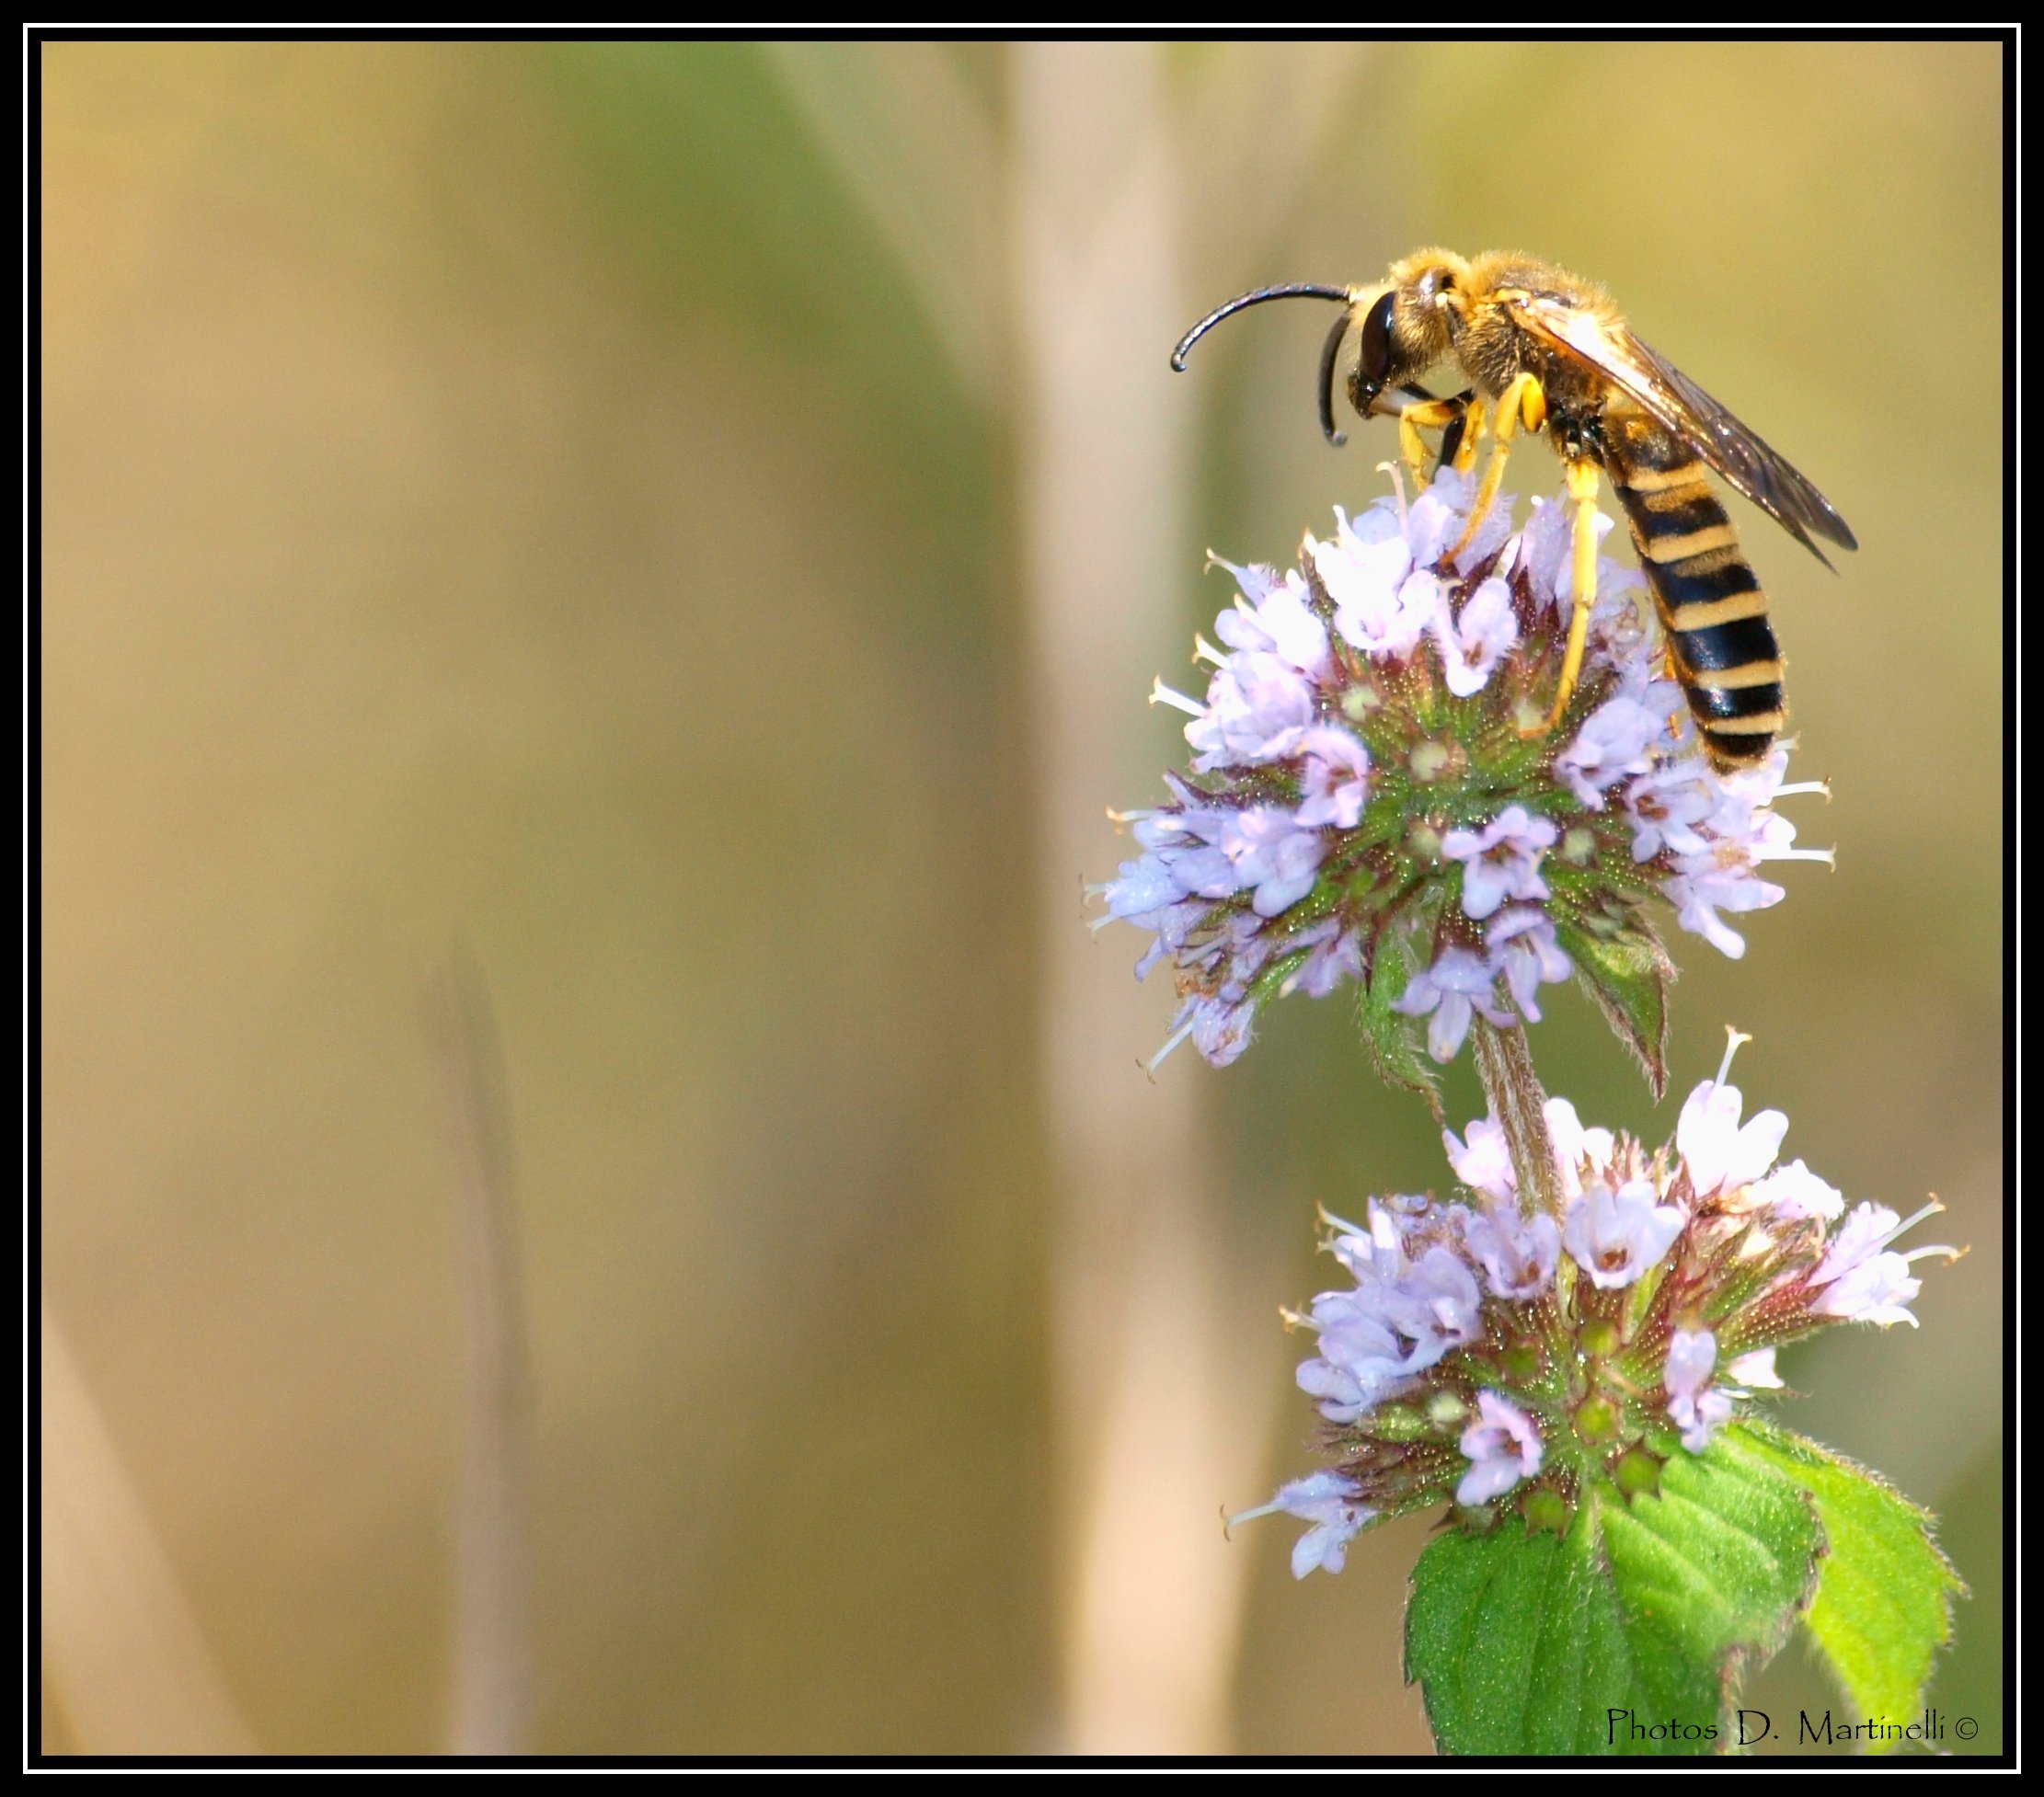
{"x": 1711, "y": 605}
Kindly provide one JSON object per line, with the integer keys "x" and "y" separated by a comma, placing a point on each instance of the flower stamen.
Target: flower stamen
{"x": 1171, "y": 1042}
{"x": 1161, "y": 695}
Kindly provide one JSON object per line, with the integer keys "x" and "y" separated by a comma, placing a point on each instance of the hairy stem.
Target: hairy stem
{"x": 1519, "y": 1103}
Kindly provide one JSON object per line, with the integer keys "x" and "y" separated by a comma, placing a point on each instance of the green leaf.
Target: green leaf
{"x": 1396, "y": 1042}
{"x": 1628, "y": 971}
{"x": 1643, "y": 1618}
{"x": 1883, "y": 1592}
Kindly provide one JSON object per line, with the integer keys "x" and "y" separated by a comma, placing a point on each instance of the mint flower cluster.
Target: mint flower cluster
{"x": 1500, "y": 1355}
{"x": 1363, "y": 784}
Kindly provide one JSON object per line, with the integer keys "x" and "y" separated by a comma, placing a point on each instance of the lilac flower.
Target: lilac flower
{"x": 1330, "y": 1503}
{"x": 1720, "y": 876}
{"x": 1697, "y": 1412}
{"x": 1274, "y": 620}
{"x": 1502, "y": 1447}
{"x": 1360, "y": 1362}
{"x": 1746, "y": 829}
{"x": 1436, "y": 1306}
{"x": 1615, "y": 1237}
{"x": 1335, "y": 781}
{"x": 1692, "y": 1357}
{"x": 1755, "y": 1370}
{"x": 1701, "y": 886}
{"x": 1878, "y": 1290}
{"x": 1857, "y": 1282}
{"x": 1367, "y": 560}
{"x": 1218, "y": 1025}
{"x": 1549, "y": 550}
{"x": 1746, "y": 798}
{"x": 1502, "y": 860}
{"x": 1382, "y": 606}
{"x": 1393, "y": 627}
{"x": 1518, "y": 1253}
{"x": 1271, "y": 853}
{"x": 1335, "y": 954}
{"x": 1257, "y": 708}
{"x": 1612, "y": 744}
{"x": 1146, "y": 887}
{"x": 1173, "y": 925}
{"x": 1666, "y": 804}
{"x": 1460, "y": 984}
{"x": 1472, "y": 645}
{"x": 1434, "y": 521}
{"x": 1719, "y": 1153}
{"x": 1362, "y": 1356}
{"x": 1221, "y": 1028}
{"x": 1577, "y": 1148}
{"x": 1188, "y": 848}
{"x": 1795, "y": 1195}
{"x": 1431, "y": 1302}
{"x": 1375, "y": 1255}
{"x": 1525, "y": 951}
{"x": 1484, "y": 1163}
{"x": 1256, "y": 581}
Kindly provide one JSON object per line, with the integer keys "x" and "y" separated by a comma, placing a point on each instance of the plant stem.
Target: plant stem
{"x": 1519, "y": 1103}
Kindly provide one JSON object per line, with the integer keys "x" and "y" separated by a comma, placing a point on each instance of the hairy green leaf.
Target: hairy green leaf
{"x": 1396, "y": 1042}
{"x": 1627, "y": 972}
{"x": 1626, "y": 1637}
{"x": 1883, "y": 1592}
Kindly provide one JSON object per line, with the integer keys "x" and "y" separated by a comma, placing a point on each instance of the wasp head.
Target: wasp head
{"x": 1406, "y": 327}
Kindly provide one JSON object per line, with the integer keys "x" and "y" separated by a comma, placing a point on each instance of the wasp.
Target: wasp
{"x": 1542, "y": 349}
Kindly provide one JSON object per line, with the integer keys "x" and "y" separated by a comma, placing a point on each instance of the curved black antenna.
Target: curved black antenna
{"x": 1327, "y": 355}
{"x": 1300, "y": 290}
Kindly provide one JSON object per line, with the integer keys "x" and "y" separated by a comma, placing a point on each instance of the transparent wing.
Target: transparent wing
{"x": 1680, "y": 405}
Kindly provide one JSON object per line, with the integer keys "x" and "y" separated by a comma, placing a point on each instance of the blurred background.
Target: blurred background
{"x": 598, "y": 1194}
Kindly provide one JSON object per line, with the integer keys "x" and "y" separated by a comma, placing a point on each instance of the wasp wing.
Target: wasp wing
{"x": 1680, "y": 405}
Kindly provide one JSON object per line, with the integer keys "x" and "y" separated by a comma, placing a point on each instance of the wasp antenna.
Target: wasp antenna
{"x": 1296, "y": 289}
{"x": 1327, "y": 355}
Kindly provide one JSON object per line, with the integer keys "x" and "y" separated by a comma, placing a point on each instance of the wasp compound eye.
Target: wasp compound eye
{"x": 1375, "y": 363}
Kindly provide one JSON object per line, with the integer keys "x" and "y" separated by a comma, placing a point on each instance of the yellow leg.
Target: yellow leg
{"x": 1424, "y": 415}
{"x": 1472, "y": 432}
{"x": 1524, "y": 402}
{"x": 1582, "y": 489}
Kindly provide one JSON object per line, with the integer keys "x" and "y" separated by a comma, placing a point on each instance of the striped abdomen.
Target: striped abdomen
{"x": 1711, "y": 607}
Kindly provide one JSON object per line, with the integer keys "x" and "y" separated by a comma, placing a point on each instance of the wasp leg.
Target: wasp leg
{"x": 1447, "y": 414}
{"x": 1582, "y": 489}
{"x": 1458, "y": 447}
{"x": 1523, "y": 403}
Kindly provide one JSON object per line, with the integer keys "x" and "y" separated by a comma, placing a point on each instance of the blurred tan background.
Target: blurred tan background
{"x": 685, "y": 533}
